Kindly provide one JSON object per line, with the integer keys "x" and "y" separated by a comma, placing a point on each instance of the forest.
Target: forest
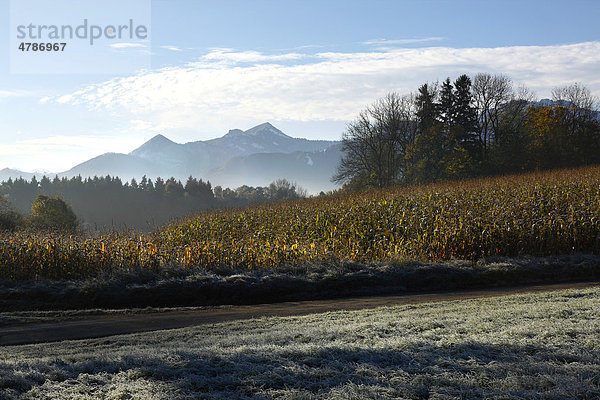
{"x": 472, "y": 127}
{"x": 108, "y": 203}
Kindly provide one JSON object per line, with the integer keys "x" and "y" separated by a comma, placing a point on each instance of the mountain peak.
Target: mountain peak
{"x": 265, "y": 128}
{"x": 265, "y": 125}
{"x": 160, "y": 139}
{"x": 156, "y": 144}
{"x": 234, "y": 132}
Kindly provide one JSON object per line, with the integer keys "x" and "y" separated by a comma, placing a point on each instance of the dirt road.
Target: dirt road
{"x": 107, "y": 325}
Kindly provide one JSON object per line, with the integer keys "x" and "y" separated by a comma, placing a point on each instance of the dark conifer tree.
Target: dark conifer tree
{"x": 159, "y": 185}
{"x": 446, "y": 106}
{"x": 465, "y": 115}
{"x": 144, "y": 183}
{"x": 427, "y": 113}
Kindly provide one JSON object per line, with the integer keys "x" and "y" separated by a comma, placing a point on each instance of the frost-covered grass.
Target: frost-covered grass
{"x": 525, "y": 346}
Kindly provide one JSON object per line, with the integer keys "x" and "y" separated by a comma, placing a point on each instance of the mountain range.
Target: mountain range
{"x": 254, "y": 157}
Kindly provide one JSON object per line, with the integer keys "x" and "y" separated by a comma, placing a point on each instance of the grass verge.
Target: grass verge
{"x": 177, "y": 287}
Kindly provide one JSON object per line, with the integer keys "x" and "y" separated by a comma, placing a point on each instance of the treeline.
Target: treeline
{"x": 468, "y": 128}
{"x": 109, "y": 203}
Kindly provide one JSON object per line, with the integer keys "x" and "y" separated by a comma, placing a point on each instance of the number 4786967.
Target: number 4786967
{"x": 42, "y": 46}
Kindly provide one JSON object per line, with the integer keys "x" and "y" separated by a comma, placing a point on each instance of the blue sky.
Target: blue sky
{"x": 308, "y": 67}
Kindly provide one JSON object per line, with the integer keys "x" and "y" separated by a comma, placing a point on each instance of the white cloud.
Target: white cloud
{"x": 172, "y": 48}
{"x": 126, "y": 45}
{"x": 225, "y": 55}
{"x": 140, "y": 125}
{"x": 5, "y": 94}
{"x": 63, "y": 142}
{"x": 59, "y": 153}
{"x": 226, "y": 88}
{"x": 389, "y": 42}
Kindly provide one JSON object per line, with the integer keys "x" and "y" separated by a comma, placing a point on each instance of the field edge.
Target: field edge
{"x": 183, "y": 287}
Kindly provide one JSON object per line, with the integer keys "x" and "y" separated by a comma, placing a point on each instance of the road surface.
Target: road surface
{"x": 107, "y": 325}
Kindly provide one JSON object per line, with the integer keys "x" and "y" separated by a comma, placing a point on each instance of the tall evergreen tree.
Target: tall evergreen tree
{"x": 159, "y": 185}
{"x": 446, "y": 107}
{"x": 465, "y": 115}
{"x": 427, "y": 113}
{"x": 144, "y": 183}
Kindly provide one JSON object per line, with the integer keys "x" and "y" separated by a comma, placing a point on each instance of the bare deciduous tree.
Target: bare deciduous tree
{"x": 490, "y": 93}
{"x": 375, "y": 143}
{"x": 513, "y": 116}
{"x": 580, "y": 102}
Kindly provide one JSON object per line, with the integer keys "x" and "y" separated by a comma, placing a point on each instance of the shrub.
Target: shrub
{"x": 52, "y": 213}
{"x": 10, "y": 219}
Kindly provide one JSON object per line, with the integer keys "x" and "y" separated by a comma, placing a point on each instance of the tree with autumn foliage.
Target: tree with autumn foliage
{"x": 558, "y": 139}
{"x": 472, "y": 127}
{"x": 52, "y": 213}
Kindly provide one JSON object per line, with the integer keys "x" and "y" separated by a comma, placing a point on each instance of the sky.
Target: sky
{"x": 308, "y": 67}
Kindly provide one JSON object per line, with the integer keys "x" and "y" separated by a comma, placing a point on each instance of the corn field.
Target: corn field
{"x": 538, "y": 214}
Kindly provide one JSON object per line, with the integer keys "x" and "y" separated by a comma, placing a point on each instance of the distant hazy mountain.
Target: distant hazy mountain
{"x": 311, "y": 170}
{"x": 8, "y": 173}
{"x": 202, "y": 156}
{"x": 264, "y": 138}
{"x": 114, "y": 164}
{"x": 253, "y": 157}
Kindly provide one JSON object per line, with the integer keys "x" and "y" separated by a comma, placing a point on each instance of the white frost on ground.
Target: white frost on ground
{"x": 525, "y": 346}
